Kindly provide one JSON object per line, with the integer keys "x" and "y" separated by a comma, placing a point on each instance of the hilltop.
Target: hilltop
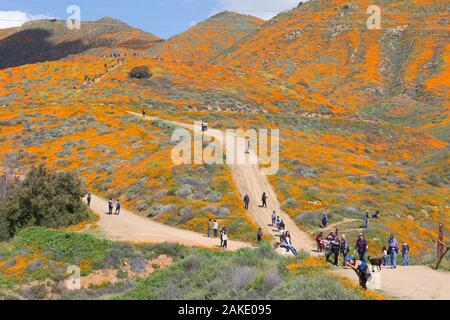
{"x": 396, "y": 73}
{"x": 45, "y": 40}
{"x": 209, "y": 38}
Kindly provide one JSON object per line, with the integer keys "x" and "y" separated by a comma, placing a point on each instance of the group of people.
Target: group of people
{"x": 336, "y": 245}
{"x": 390, "y": 253}
{"x": 333, "y": 245}
{"x": 88, "y": 81}
{"x": 223, "y": 233}
{"x": 113, "y": 204}
{"x": 284, "y": 235}
{"x": 276, "y": 222}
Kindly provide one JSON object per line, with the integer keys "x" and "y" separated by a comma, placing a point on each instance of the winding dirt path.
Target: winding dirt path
{"x": 410, "y": 283}
{"x": 249, "y": 180}
{"x": 131, "y": 227}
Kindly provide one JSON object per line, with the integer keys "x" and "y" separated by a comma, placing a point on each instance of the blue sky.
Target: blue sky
{"x": 161, "y": 17}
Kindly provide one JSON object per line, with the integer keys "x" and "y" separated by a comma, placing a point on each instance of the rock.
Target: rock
{"x": 224, "y": 211}
{"x": 185, "y": 191}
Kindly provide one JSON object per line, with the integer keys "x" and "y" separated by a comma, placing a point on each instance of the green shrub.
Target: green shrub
{"x": 43, "y": 198}
{"x": 142, "y": 72}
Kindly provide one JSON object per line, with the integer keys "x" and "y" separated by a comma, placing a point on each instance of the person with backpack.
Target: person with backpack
{"x": 117, "y": 207}
{"x": 246, "y": 201}
{"x": 215, "y": 228}
{"x": 393, "y": 251}
{"x": 405, "y": 254}
{"x": 89, "y": 198}
{"x": 361, "y": 246}
{"x": 274, "y": 218}
{"x": 264, "y": 200}
{"x": 259, "y": 235}
{"x": 324, "y": 219}
{"x": 282, "y": 225}
{"x": 110, "y": 206}
{"x": 345, "y": 248}
{"x": 361, "y": 269}
{"x": 208, "y": 232}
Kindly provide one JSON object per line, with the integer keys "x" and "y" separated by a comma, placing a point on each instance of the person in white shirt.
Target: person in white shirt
{"x": 215, "y": 228}
{"x": 224, "y": 240}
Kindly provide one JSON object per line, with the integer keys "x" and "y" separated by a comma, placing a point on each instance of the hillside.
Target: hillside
{"x": 209, "y": 38}
{"x": 44, "y": 40}
{"x": 33, "y": 266}
{"x": 398, "y": 73}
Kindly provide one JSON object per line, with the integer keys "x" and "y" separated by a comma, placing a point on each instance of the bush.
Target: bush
{"x": 142, "y": 72}
{"x": 43, "y": 198}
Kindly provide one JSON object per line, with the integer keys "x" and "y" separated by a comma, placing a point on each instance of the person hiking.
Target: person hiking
{"x": 361, "y": 269}
{"x": 264, "y": 200}
{"x": 209, "y": 228}
{"x": 215, "y": 228}
{"x": 249, "y": 146}
{"x": 345, "y": 248}
{"x": 282, "y": 224}
{"x": 393, "y": 251}
{"x": 366, "y": 219}
{"x": 89, "y": 198}
{"x": 288, "y": 243}
{"x": 117, "y": 207}
{"x": 246, "y": 201}
{"x": 324, "y": 219}
{"x": 361, "y": 246}
{"x": 274, "y": 218}
{"x": 277, "y": 222}
{"x": 385, "y": 257}
{"x": 282, "y": 234}
{"x": 224, "y": 244}
{"x": 334, "y": 250}
{"x": 223, "y": 231}
{"x": 405, "y": 254}
{"x": 259, "y": 235}
{"x": 110, "y": 206}
{"x": 319, "y": 239}
{"x": 143, "y": 113}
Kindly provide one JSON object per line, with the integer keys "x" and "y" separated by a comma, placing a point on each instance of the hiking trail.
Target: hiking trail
{"x": 409, "y": 283}
{"x": 249, "y": 180}
{"x": 131, "y": 227}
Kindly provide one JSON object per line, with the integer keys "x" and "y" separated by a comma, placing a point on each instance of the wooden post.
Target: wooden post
{"x": 440, "y": 247}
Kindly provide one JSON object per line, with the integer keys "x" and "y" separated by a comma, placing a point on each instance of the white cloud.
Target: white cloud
{"x": 264, "y": 9}
{"x": 11, "y": 19}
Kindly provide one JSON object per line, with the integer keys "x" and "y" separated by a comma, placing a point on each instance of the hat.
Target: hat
{"x": 349, "y": 258}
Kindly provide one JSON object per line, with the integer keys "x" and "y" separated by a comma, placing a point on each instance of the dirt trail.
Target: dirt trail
{"x": 249, "y": 179}
{"x": 131, "y": 227}
{"x": 410, "y": 283}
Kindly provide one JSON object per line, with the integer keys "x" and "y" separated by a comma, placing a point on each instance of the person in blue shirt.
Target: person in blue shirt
{"x": 361, "y": 269}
